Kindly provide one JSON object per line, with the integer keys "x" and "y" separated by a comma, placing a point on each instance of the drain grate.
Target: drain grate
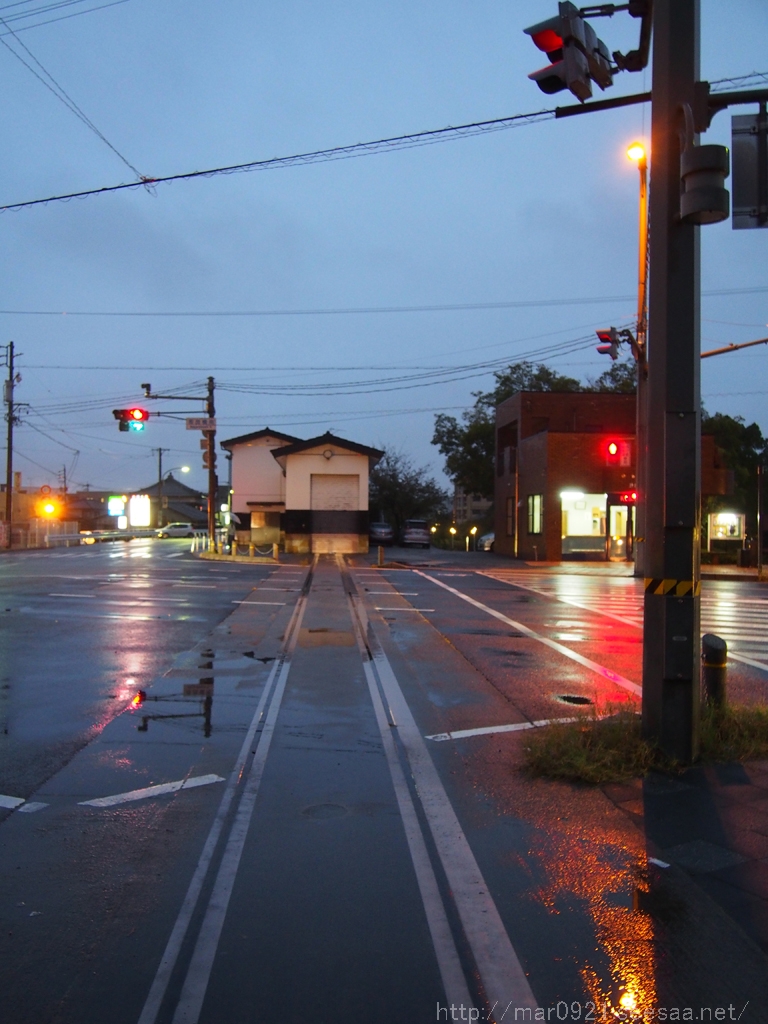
{"x": 572, "y": 698}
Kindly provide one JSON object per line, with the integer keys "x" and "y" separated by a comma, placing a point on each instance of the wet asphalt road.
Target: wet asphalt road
{"x": 352, "y": 840}
{"x": 83, "y": 630}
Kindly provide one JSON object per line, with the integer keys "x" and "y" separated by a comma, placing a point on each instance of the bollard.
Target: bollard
{"x": 381, "y": 555}
{"x": 251, "y": 550}
{"x": 714, "y": 657}
{"x": 233, "y": 549}
{"x": 276, "y": 552}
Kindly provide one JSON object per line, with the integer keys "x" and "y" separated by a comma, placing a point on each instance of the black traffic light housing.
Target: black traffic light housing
{"x": 578, "y": 57}
{"x": 131, "y": 419}
{"x": 610, "y": 342}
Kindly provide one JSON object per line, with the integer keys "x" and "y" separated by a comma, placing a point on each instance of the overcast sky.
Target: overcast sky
{"x": 545, "y": 211}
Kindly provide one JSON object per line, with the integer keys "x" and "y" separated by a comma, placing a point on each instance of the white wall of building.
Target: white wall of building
{"x": 256, "y": 476}
{"x": 301, "y": 467}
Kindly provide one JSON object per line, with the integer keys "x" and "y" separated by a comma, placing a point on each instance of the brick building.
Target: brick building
{"x": 564, "y": 460}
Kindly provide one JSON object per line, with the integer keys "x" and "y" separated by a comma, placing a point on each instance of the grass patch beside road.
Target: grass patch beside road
{"x": 602, "y": 749}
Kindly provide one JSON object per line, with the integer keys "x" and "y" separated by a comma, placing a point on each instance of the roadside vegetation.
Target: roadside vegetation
{"x": 599, "y": 749}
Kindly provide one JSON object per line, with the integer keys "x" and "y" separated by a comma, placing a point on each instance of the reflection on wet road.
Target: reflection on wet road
{"x": 300, "y": 798}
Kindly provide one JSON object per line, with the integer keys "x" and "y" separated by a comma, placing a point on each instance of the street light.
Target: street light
{"x": 164, "y": 476}
{"x": 639, "y": 155}
{"x": 452, "y": 531}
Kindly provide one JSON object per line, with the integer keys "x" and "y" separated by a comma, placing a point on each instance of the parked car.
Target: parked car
{"x": 381, "y": 533}
{"x": 416, "y": 534}
{"x": 486, "y": 542}
{"x": 176, "y": 530}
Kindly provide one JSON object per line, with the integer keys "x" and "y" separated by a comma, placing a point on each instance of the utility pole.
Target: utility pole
{"x": 9, "y": 416}
{"x": 641, "y": 355}
{"x": 671, "y": 630}
{"x": 160, "y": 484}
{"x": 213, "y": 484}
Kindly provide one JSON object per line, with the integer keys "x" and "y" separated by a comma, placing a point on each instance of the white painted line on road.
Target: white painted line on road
{"x": 593, "y": 666}
{"x": 196, "y": 982}
{"x": 502, "y": 975}
{"x": 31, "y": 806}
{"x": 448, "y": 960}
{"x": 197, "y": 586}
{"x": 624, "y": 619}
{"x": 657, "y": 862}
{"x": 151, "y": 791}
{"x": 11, "y": 801}
{"x": 401, "y": 609}
{"x": 392, "y": 593}
{"x": 260, "y": 602}
{"x": 173, "y": 947}
{"x": 489, "y": 730}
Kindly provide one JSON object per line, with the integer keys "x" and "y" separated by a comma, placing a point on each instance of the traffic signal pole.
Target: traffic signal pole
{"x": 9, "y": 414}
{"x": 641, "y": 398}
{"x": 213, "y": 484}
{"x": 671, "y": 630}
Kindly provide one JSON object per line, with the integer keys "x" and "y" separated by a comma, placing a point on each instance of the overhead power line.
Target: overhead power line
{"x": 450, "y": 307}
{"x": 47, "y": 8}
{"x": 427, "y": 138}
{"x": 60, "y": 93}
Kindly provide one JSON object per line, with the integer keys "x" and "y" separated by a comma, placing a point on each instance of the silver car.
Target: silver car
{"x": 416, "y": 534}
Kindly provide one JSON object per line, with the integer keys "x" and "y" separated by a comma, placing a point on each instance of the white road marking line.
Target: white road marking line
{"x": 292, "y": 590}
{"x": 260, "y": 602}
{"x": 196, "y": 982}
{"x": 460, "y": 734}
{"x": 593, "y": 666}
{"x": 657, "y": 862}
{"x": 448, "y": 961}
{"x": 151, "y": 791}
{"x": 197, "y": 586}
{"x": 401, "y": 609}
{"x": 392, "y": 593}
{"x": 32, "y": 806}
{"x": 173, "y": 947}
{"x": 624, "y": 619}
{"x": 500, "y": 970}
{"x": 11, "y": 801}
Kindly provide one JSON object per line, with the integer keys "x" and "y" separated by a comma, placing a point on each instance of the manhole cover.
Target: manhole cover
{"x": 321, "y": 811}
{"x": 572, "y": 698}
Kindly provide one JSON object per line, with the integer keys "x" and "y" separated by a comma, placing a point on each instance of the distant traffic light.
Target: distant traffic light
{"x": 48, "y": 508}
{"x": 578, "y": 57}
{"x": 618, "y": 452}
{"x": 611, "y": 342}
{"x": 131, "y": 419}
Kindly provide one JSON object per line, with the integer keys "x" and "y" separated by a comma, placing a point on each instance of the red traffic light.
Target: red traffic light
{"x": 547, "y": 39}
{"x": 138, "y": 415}
{"x": 628, "y": 497}
{"x": 612, "y": 448}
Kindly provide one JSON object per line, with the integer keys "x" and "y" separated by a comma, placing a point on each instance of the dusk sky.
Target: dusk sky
{"x": 539, "y": 214}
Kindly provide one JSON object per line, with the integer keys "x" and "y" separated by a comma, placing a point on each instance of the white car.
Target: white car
{"x": 176, "y": 530}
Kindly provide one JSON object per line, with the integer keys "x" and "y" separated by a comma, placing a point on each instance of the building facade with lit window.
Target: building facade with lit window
{"x": 565, "y": 475}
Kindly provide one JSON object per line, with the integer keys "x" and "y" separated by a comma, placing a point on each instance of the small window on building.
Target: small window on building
{"x": 535, "y": 517}
{"x": 510, "y": 516}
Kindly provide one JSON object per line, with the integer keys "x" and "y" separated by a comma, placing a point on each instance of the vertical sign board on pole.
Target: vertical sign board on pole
{"x": 749, "y": 154}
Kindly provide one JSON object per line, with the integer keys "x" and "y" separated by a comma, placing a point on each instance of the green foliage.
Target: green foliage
{"x": 467, "y": 447}
{"x": 525, "y": 377}
{"x": 742, "y": 446}
{"x": 619, "y": 378}
{"x": 399, "y": 491}
{"x": 598, "y": 750}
